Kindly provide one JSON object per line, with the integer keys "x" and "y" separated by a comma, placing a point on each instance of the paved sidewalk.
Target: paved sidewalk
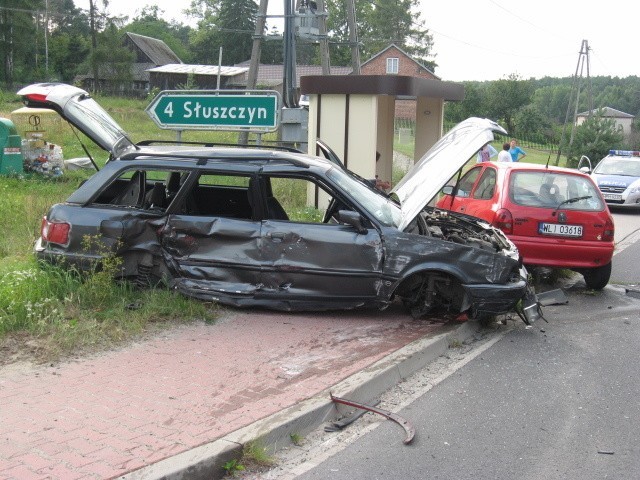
{"x": 110, "y": 415}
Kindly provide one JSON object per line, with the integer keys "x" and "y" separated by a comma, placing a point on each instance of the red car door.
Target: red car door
{"x": 477, "y": 193}
{"x": 466, "y": 185}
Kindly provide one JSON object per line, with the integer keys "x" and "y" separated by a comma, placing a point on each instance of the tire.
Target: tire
{"x": 598, "y": 277}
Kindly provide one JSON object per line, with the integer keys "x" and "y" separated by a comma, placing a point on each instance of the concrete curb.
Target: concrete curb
{"x": 206, "y": 462}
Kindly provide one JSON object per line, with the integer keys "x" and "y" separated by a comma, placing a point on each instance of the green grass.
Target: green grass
{"x": 52, "y": 312}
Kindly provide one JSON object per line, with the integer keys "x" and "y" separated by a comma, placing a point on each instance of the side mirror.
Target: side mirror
{"x": 447, "y": 190}
{"x": 352, "y": 218}
{"x": 585, "y": 170}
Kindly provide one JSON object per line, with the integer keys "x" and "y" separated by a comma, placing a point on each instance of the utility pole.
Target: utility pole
{"x": 289, "y": 85}
{"x": 94, "y": 44}
{"x": 574, "y": 96}
{"x": 324, "y": 40}
{"x": 254, "y": 64}
{"x": 353, "y": 36}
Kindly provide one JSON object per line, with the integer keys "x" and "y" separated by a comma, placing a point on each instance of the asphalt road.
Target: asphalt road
{"x": 559, "y": 402}
{"x": 627, "y": 254}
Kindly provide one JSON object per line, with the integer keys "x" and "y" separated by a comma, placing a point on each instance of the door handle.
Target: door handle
{"x": 276, "y": 236}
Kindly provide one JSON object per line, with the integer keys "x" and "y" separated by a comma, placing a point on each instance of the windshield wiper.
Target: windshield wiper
{"x": 571, "y": 200}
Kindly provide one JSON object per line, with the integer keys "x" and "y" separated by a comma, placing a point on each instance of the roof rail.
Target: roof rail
{"x": 267, "y": 146}
{"x": 202, "y": 159}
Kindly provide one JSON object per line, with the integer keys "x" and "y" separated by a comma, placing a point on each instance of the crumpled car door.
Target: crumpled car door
{"x": 212, "y": 255}
{"x": 325, "y": 263}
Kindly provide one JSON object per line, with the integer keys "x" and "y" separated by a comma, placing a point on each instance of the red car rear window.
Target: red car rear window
{"x": 550, "y": 189}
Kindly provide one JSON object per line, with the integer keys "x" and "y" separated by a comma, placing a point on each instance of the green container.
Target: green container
{"x": 11, "y": 162}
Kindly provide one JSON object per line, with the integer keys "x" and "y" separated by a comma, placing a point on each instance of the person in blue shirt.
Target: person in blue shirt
{"x": 516, "y": 152}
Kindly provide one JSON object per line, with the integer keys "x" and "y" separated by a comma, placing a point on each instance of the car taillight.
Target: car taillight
{"x": 55, "y": 232}
{"x": 609, "y": 230}
{"x": 504, "y": 220}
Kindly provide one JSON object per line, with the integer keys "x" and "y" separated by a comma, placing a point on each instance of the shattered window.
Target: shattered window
{"x": 143, "y": 189}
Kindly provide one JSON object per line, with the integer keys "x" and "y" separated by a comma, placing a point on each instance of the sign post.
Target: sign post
{"x": 248, "y": 110}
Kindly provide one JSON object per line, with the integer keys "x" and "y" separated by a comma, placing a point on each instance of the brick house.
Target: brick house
{"x": 395, "y": 61}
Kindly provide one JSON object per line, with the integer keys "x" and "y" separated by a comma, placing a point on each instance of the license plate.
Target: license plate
{"x": 612, "y": 196}
{"x": 560, "y": 229}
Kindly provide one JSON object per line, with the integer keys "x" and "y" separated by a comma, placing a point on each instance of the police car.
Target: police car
{"x": 618, "y": 177}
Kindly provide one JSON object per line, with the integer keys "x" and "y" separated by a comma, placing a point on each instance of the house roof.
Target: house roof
{"x": 183, "y": 68}
{"x": 157, "y": 51}
{"x": 393, "y": 45}
{"x": 606, "y": 112}
{"x": 272, "y": 75}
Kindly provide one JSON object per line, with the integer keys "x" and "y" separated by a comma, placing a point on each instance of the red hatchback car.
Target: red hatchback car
{"x": 555, "y": 216}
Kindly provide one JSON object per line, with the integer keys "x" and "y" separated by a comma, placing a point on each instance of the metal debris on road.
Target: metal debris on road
{"x": 408, "y": 428}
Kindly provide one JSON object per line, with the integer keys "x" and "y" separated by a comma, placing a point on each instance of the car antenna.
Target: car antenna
{"x": 548, "y": 160}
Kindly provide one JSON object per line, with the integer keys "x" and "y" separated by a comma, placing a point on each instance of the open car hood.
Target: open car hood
{"x": 78, "y": 108}
{"x": 427, "y": 177}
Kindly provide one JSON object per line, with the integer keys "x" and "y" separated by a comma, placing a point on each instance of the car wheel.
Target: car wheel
{"x": 427, "y": 292}
{"x": 598, "y": 277}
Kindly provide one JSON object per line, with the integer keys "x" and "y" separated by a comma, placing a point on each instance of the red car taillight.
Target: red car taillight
{"x": 609, "y": 230}
{"x": 54, "y": 232}
{"x": 504, "y": 221}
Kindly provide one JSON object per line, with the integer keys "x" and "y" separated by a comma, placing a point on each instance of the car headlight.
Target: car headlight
{"x": 634, "y": 188}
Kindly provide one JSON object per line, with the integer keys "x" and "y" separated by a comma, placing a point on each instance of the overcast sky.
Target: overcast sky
{"x": 492, "y": 39}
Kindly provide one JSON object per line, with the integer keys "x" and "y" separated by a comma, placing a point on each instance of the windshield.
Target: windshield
{"x": 549, "y": 189}
{"x": 618, "y": 166}
{"x": 377, "y": 205}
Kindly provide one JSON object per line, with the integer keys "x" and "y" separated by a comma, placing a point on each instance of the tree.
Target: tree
{"x": 473, "y": 104}
{"x": 229, "y": 24}
{"x": 397, "y": 21}
{"x": 530, "y": 122}
{"x": 272, "y": 51}
{"x": 552, "y": 101}
{"x": 593, "y": 138}
{"x": 380, "y": 23}
{"x": 505, "y": 97}
{"x": 69, "y": 39}
{"x": 17, "y": 31}
{"x": 112, "y": 61}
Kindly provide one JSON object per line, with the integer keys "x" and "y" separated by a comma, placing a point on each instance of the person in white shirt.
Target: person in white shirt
{"x": 504, "y": 155}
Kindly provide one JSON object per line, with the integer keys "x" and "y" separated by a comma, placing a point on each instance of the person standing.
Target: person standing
{"x": 516, "y": 151}
{"x": 486, "y": 153}
{"x": 504, "y": 155}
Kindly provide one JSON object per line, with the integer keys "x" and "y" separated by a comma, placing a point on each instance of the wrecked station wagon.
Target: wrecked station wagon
{"x": 223, "y": 224}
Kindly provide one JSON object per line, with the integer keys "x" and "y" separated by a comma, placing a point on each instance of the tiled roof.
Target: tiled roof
{"x": 157, "y": 51}
{"x": 607, "y": 112}
{"x": 393, "y": 45}
{"x": 272, "y": 75}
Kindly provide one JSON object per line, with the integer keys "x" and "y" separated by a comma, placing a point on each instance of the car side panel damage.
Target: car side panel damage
{"x": 208, "y": 256}
{"x": 274, "y": 264}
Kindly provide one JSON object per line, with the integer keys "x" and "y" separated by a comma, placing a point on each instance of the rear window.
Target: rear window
{"x": 552, "y": 190}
